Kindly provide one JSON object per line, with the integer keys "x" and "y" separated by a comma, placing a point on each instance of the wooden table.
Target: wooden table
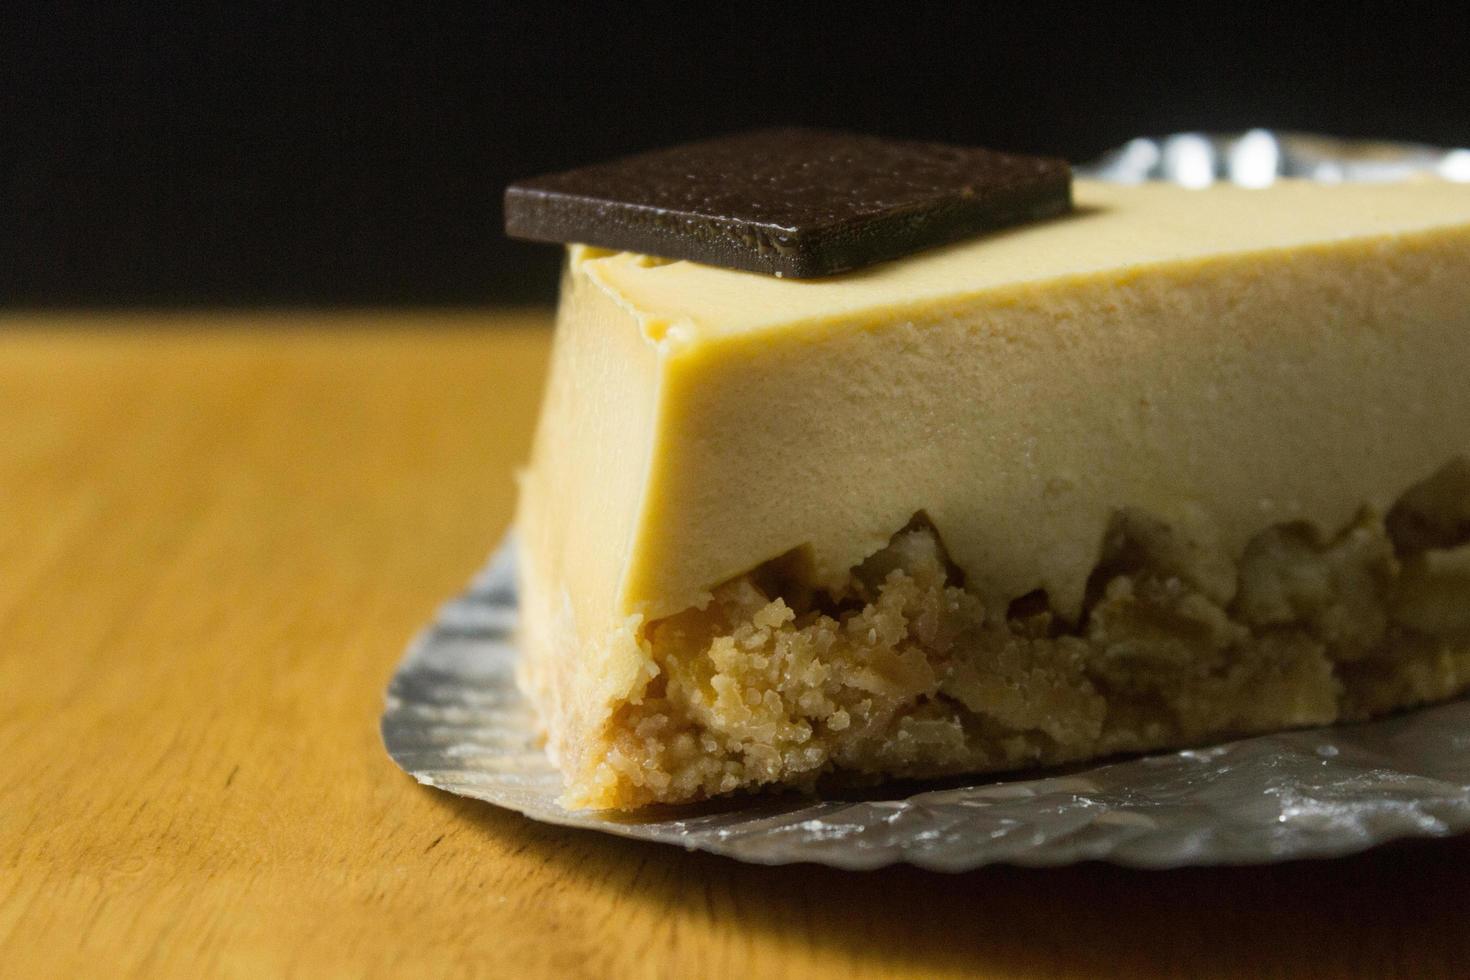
{"x": 216, "y": 535}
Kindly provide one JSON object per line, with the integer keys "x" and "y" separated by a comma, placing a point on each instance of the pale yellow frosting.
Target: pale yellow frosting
{"x": 1115, "y": 232}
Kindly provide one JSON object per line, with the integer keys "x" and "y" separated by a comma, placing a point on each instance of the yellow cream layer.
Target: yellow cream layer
{"x": 1225, "y": 360}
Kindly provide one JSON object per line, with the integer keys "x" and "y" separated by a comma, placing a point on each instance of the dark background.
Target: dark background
{"x": 255, "y": 154}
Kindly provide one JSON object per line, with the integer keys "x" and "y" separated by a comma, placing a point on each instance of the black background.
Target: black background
{"x": 259, "y": 154}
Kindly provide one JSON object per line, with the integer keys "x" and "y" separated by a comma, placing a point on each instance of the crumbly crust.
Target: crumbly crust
{"x": 908, "y": 674}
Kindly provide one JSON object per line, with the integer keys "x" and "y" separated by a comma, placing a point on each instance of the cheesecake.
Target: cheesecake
{"x": 1175, "y": 467}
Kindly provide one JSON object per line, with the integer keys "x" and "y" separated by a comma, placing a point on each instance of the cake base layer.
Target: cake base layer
{"x": 906, "y": 673}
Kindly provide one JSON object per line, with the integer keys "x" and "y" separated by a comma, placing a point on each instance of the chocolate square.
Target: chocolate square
{"x": 789, "y": 202}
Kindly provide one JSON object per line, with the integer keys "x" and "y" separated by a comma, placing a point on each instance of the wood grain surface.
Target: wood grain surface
{"x": 216, "y": 535}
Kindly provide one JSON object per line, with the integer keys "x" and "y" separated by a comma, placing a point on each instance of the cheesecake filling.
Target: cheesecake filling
{"x": 904, "y": 671}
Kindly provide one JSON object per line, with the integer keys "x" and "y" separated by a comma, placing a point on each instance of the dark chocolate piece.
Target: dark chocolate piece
{"x": 789, "y": 202}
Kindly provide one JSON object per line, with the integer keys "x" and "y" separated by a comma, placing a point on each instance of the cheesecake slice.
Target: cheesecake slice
{"x": 1181, "y": 466}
